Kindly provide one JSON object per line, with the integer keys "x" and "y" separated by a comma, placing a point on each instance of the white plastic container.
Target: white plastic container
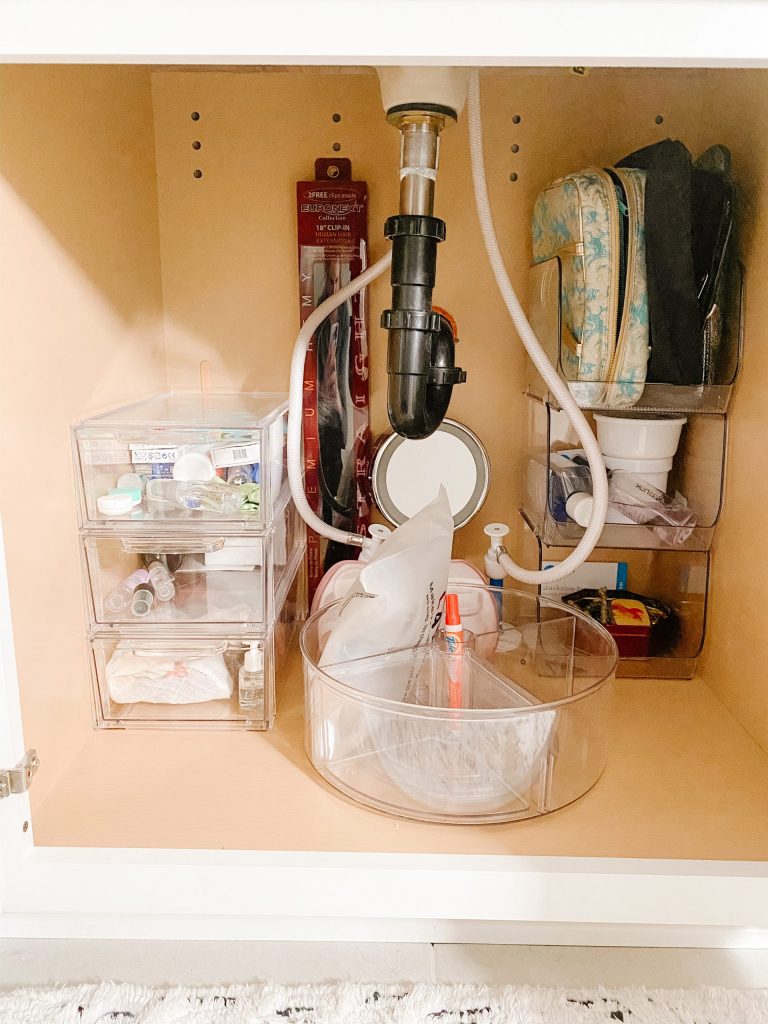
{"x": 633, "y": 437}
{"x": 653, "y": 471}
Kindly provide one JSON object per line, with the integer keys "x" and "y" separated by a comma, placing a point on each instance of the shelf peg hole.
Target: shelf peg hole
{"x": 197, "y": 173}
{"x": 196, "y": 144}
{"x": 515, "y": 148}
{"x": 195, "y": 115}
{"x": 513, "y": 176}
{"x": 336, "y": 147}
{"x": 659, "y": 119}
{"x": 516, "y": 119}
{"x": 335, "y": 118}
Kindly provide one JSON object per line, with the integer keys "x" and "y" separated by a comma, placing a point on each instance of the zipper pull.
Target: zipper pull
{"x": 623, "y": 208}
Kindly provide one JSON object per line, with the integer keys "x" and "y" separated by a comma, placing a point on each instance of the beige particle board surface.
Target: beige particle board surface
{"x": 684, "y": 780}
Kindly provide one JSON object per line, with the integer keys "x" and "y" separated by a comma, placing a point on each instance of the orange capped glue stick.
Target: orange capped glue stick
{"x": 454, "y": 638}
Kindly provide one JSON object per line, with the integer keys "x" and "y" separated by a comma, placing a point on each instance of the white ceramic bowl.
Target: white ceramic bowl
{"x": 628, "y": 437}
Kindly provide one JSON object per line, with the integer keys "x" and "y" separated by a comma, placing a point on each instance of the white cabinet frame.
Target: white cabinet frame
{"x": 182, "y": 893}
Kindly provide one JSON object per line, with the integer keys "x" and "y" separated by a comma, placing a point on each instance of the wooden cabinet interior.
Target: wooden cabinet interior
{"x": 123, "y": 269}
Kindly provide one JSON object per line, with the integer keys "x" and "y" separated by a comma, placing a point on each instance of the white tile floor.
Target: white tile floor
{"x": 58, "y": 961}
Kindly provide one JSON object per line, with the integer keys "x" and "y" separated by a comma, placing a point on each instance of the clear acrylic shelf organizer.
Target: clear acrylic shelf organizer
{"x": 227, "y": 450}
{"x": 710, "y": 396}
{"x": 698, "y": 473}
{"x": 527, "y": 735}
{"x": 680, "y": 579}
{"x": 141, "y": 580}
{"x": 190, "y": 681}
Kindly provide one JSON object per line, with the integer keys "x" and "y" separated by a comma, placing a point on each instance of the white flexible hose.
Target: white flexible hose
{"x": 548, "y": 373}
{"x": 296, "y": 401}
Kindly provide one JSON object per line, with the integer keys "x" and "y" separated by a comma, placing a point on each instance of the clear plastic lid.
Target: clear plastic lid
{"x": 197, "y": 409}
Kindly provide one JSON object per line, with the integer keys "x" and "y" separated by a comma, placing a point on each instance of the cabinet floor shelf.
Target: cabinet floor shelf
{"x": 684, "y": 781}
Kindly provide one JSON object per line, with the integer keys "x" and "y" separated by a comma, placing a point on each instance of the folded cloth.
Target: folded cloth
{"x": 164, "y": 679}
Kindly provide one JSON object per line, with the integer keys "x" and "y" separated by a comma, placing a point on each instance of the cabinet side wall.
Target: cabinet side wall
{"x": 735, "y": 661}
{"x": 82, "y": 329}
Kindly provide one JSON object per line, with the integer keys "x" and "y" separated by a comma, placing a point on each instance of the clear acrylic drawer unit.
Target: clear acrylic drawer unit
{"x": 151, "y": 578}
{"x": 513, "y": 727}
{"x": 184, "y": 458}
{"x": 698, "y": 473}
{"x": 183, "y": 680}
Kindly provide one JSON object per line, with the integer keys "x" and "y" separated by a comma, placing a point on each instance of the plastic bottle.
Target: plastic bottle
{"x": 143, "y": 599}
{"x": 579, "y": 507}
{"x": 191, "y": 495}
{"x": 566, "y": 478}
{"x": 250, "y": 680}
{"x": 160, "y": 578}
{"x": 119, "y": 599}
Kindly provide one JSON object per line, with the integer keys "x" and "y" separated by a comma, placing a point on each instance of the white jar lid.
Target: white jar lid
{"x": 114, "y": 504}
{"x": 193, "y": 466}
{"x": 406, "y": 474}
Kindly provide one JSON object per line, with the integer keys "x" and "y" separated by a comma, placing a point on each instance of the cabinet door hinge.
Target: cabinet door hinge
{"x": 18, "y": 779}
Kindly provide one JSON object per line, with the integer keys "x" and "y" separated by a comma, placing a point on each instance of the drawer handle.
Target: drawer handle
{"x": 154, "y": 545}
{"x": 171, "y": 650}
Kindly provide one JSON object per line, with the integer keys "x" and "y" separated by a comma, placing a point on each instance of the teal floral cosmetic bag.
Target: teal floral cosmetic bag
{"x": 593, "y": 224}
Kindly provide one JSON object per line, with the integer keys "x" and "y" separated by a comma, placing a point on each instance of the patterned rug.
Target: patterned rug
{"x": 384, "y": 1004}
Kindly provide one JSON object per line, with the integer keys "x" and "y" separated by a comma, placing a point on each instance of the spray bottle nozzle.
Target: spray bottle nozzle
{"x": 254, "y": 658}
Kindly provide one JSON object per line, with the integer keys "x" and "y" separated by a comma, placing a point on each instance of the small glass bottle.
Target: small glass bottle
{"x": 251, "y": 680}
{"x": 119, "y": 600}
{"x": 143, "y": 599}
{"x": 160, "y": 578}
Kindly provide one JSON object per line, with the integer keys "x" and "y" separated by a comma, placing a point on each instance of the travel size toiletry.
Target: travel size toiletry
{"x": 160, "y": 578}
{"x": 119, "y": 599}
{"x": 143, "y": 599}
{"x": 250, "y": 680}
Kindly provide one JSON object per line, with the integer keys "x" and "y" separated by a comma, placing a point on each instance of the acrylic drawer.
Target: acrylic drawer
{"x": 178, "y": 680}
{"x": 143, "y": 579}
{"x": 184, "y": 458}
